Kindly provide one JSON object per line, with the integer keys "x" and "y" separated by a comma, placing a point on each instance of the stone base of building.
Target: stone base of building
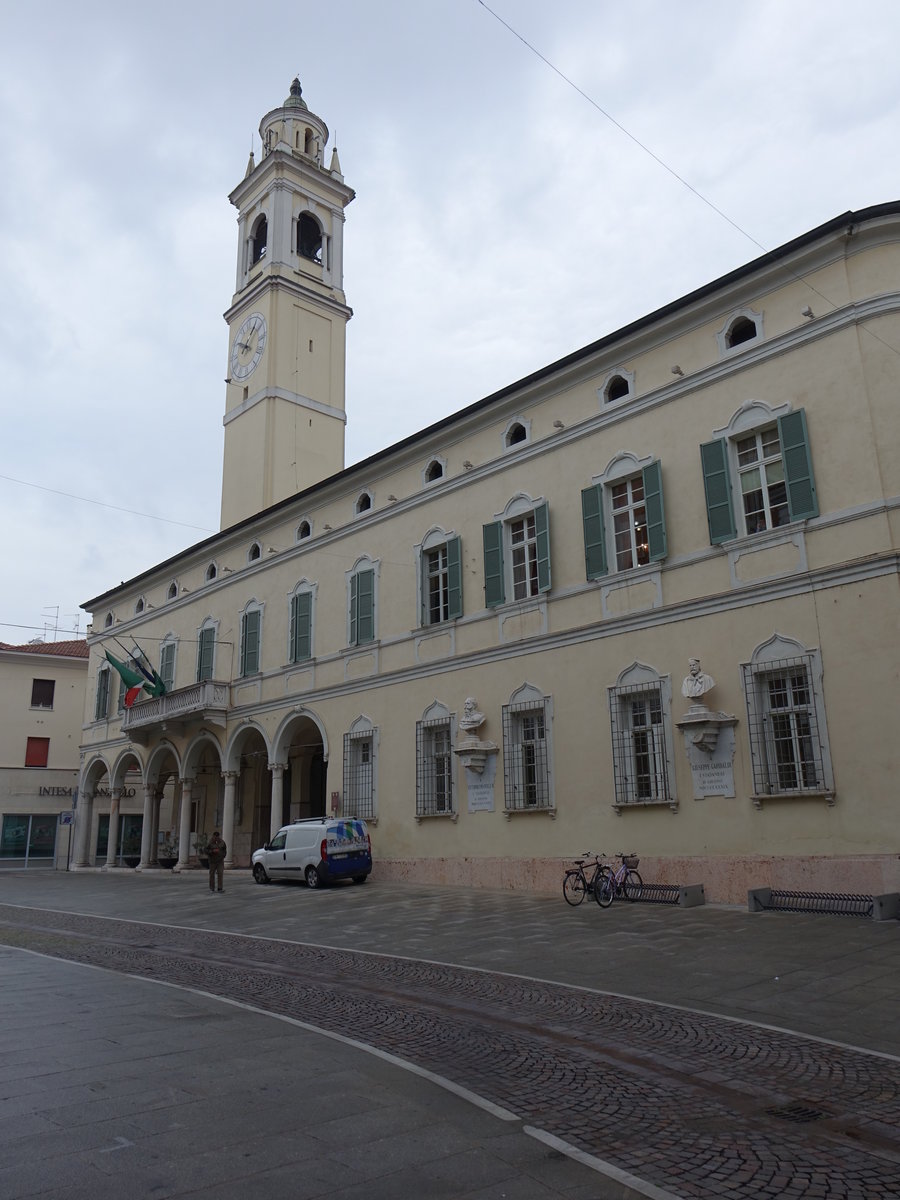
{"x": 726, "y": 879}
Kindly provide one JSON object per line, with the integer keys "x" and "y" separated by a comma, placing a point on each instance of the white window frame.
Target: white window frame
{"x": 783, "y": 655}
{"x": 436, "y": 720}
{"x": 750, "y": 419}
{"x": 623, "y": 468}
{"x": 634, "y": 683}
{"x": 440, "y": 461}
{"x": 509, "y": 446}
{"x": 360, "y": 781}
{"x": 616, "y": 373}
{"x": 528, "y": 778}
{"x": 434, "y": 540}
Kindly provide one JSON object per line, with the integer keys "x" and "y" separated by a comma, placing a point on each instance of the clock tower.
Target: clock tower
{"x": 284, "y": 405}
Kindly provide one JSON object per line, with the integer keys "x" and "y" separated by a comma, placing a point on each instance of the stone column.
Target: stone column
{"x": 84, "y": 814}
{"x": 154, "y": 824}
{"x": 147, "y": 829}
{"x": 231, "y": 778}
{"x": 115, "y": 796}
{"x": 275, "y": 821}
{"x": 184, "y": 827}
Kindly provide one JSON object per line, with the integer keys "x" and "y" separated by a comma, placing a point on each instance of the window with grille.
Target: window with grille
{"x": 42, "y": 693}
{"x": 359, "y": 773}
{"x": 639, "y": 744}
{"x": 788, "y": 747}
{"x": 434, "y": 768}
{"x": 526, "y": 755}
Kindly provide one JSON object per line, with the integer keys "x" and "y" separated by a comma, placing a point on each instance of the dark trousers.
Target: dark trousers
{"x": 216, "y": 874}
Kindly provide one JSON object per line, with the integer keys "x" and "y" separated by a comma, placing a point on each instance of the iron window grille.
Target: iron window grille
{"x": 434, "y": 769}
{"x": 640, "y": 764}
{"x": 785, "y": 739}
{"x": 359, "y": 775}
{"x": 526, "y": 757}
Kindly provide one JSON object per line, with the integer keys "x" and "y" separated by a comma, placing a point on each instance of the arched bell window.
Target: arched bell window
{"x": 259, "y": 239}
{"x": 309, "y": 238}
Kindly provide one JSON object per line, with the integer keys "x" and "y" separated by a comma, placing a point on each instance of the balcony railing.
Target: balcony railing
{"x": 206, "y": 701}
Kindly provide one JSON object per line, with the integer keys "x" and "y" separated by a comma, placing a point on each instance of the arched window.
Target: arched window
{"x": 109, "y": 620}
{"x": 617, "y": 389}
{"x": 254, "y": 552}
{"x": 139, "y": 607}
{"x": 259, "y": 239}
{"x": 211, "y": 572}
{"x": 172, "y": 590}
{"x": 434, "y": 471}
{"x": 309, "y": 238}
{"x": 304, "y": 530}
{"x": 743, "y": 330}
{"x": 309, "y": 142}
{"x": 516, "y": 433}
{"x": 364, "y": 502}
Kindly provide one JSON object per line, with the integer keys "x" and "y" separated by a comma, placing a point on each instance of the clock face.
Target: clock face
{"x": 248, "y": 345}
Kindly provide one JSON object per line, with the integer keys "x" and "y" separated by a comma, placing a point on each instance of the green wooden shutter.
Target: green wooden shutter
{"x": 656, "y": 514}
{"x": 301, "y": 626}
{"x": 594, "y": 533}
{"x": 102, "y": 705}
{"x": 205, "y": 652}
{"x": 454, "y": 578}
{"x": 167, "y": 665}
{"x": 362, "y": 621}
{"x": 250, "y": 643}
{"x": 493, "y": 564}
{"x": 717, "y": 484}
{"x": 542, "y": 531}
{"x": 798, "y": 472}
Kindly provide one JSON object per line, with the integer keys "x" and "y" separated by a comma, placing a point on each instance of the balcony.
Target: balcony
{"x": 205, "y": 702}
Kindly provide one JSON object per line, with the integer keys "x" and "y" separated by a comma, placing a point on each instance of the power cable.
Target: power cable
{"x": 103, "y": 504}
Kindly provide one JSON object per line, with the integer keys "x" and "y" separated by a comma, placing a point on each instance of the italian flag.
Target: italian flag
{"x": 134, "y": 682}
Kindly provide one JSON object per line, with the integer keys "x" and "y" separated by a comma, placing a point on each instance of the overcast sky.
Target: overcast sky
{"x": 501, "y": 221}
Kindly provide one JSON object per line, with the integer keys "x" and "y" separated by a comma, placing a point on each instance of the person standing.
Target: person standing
{"x": 215, "y": 851}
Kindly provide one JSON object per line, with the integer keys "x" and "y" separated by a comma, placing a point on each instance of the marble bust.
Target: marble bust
{"x": 697, "y": 683}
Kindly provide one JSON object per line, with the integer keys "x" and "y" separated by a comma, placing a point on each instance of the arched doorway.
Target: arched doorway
{"x": 302, "y": 746}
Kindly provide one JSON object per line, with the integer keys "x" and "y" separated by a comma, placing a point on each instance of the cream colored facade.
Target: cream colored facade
{"x": 718, "y": 480}
{"x": 42, "y": 685}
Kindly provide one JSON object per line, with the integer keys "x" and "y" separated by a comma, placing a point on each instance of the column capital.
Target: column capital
{"x": 231, "y": 776}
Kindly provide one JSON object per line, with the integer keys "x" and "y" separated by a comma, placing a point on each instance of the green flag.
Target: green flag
{"x": 134, "y": 682}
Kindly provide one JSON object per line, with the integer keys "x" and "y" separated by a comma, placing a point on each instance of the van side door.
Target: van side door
{"x": 276, "y": 856}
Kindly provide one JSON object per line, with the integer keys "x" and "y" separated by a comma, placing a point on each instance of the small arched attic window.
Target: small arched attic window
{"x": 515, "y": 434}
{"x": 617, "y": 389}
{"x": 309, "y": 142}
{"x": 108, "y": 620}
{"x": 309, "y": 238}
{"x": 259, "y": 239}
{"x": 139, "y": 607}
{"x": 742, "y": 330}
{"x": 211, "y": 572}
{"x": 172, "y": 590}
{"x": 254, "y": 552}
{"x": 304, "y": 530}
{"x": 434, "y": 471}
{"x": 364, "y": 502}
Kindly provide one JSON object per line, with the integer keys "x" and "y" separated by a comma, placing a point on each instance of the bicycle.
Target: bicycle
{"x": 576, "y": 884}
{"x": 624, "y": 881}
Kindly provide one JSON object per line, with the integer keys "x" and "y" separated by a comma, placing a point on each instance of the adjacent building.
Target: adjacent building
{"x": 480, "y": 638}
{"x": 43, "y": 685}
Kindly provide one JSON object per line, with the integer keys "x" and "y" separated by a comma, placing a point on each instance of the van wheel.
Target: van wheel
{"x": 312, "y": 877}
{"x": 259, "y": 873}
{"x": 360, "y": 878}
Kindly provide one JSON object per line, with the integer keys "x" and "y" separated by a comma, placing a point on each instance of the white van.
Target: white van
{"x": 318, "y": 851}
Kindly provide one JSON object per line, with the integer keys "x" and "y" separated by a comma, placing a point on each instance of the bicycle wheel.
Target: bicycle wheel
{"x": 600, "y": 876}
{"x": 573, "y": 888}
{"x": 605, "y": 890}
{"x": 633, "y": 886}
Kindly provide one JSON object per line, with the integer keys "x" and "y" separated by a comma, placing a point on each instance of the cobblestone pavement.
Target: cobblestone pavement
{"x": 703, "y": 1107}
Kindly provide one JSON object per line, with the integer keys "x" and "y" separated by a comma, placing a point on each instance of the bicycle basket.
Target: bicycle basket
{"x": 631, "y": 861}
